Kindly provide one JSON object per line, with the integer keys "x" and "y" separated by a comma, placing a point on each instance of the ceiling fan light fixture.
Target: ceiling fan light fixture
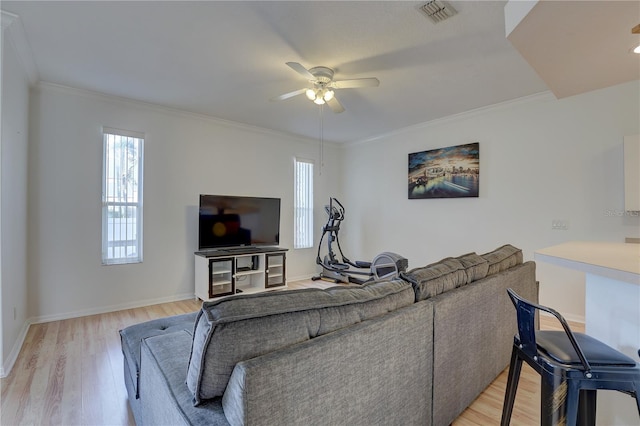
{"x": 311, "y": 94}
{"x": 321, "y": 86}
{"x": 636, "y": 49}
{"x": 319, "y": 96}
{"x": 328, "y": 95}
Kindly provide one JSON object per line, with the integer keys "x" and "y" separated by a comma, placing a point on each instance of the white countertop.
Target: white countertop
{"x": 619, "y": 261}
{"x": 612, "y": 306}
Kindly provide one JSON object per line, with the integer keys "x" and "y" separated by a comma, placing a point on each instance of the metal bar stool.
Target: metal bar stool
{"x": 572, "y": 366}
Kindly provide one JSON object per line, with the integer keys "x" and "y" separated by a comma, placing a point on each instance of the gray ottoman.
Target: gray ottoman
{"x": 131, "y": 338}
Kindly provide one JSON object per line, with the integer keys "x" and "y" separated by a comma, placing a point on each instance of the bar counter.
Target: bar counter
{"x": 612, "y": 306}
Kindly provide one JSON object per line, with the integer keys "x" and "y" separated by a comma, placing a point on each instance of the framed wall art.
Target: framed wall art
{"x": 450, "y": 172}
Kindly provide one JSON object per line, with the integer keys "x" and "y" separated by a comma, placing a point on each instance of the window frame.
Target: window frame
{"x": 107, "y": 242}
{"x": 307, "y": 220}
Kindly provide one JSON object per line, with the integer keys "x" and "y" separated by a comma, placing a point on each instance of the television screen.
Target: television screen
{"x": 228, "y": 221}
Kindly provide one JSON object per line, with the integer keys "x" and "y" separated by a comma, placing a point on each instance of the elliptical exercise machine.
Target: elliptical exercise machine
{"x": 343, "y": 270}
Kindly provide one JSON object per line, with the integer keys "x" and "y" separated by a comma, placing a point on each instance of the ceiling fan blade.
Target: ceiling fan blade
{"x": 301, "y": 70}
{"x": 335, "y": 105}
{"x": 356, "y": 82}
{"x": 289, "y": 95}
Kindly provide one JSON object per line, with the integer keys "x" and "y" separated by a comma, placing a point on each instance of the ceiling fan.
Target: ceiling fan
{"x": 322, "y": 85}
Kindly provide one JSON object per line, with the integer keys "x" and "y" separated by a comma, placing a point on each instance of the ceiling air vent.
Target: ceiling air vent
{"x": 438, "y": 11}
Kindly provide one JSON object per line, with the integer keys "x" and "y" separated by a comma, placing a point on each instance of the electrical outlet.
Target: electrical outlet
{"x": 559, "y": 225}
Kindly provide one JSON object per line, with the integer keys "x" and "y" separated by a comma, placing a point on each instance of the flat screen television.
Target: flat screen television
{"x": 230, "y": 221}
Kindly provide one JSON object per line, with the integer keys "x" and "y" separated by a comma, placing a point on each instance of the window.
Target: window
{"x": 303, "y": 204}
{"x": 122, "y": 197}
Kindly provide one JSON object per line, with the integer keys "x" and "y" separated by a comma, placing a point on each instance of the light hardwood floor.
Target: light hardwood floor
{"x": 71, "y": 373}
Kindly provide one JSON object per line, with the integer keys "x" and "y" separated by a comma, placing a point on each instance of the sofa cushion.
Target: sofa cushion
{"x": 475, "y": 266}
{"x": 164, "y": 397}
{"x": 436, "y": 278}
{"x": 132, "y": 336}
{"x": 503, "y": 258}
{"x": 241, "y": 327}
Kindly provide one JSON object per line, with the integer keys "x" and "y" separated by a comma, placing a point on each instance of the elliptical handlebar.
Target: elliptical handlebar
{"x": 339, "y": 204}
{"x": 335, "y": 213}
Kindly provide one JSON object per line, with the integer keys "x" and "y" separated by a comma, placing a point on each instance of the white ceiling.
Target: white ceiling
{"x": 227, "y": 59}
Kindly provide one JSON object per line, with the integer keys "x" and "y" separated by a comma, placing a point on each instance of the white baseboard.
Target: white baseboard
{"x": 304, "y": 277}
{"x": 111, "y": 308}
{"x": 8, "y": 364}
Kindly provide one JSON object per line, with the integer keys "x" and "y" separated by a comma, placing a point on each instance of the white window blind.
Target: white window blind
{"x": 303, "y": 204}
{"x": 122, "y": 196}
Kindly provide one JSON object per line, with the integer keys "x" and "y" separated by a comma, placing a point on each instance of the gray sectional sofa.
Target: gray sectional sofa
{"x": 411, "y": 351}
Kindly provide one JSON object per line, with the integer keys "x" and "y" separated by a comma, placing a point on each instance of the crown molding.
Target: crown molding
{"x": 18, "y": 38}
{"x": 541, "y": 96}
{"x": 45, "y": 85}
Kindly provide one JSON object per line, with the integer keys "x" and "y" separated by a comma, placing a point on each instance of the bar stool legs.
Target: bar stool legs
{"x": 515, "y": 367}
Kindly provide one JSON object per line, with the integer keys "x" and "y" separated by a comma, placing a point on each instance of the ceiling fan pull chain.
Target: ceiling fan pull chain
{"x": 321, "y": 139}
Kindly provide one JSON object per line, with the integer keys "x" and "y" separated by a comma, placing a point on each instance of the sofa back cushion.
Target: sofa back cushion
{"x": 436, "y": 278}
{"x": 447, "y": 274}
{"x": 242, "y": 327}
{"x": 503, "y": 258}
{"x": 377, "y": 372}
{"x": 475, "y": 266}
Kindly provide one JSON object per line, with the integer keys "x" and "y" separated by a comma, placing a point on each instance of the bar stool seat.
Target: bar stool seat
{"x": 573, "y": 366}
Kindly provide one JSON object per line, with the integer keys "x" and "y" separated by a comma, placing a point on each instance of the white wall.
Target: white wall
{"x": 540, "y": 159}
{"x": 13, "y": 201}
{"x": 185, "y": 155}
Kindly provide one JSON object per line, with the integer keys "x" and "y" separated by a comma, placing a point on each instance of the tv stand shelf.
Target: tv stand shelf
{"x": 222, "y": 272}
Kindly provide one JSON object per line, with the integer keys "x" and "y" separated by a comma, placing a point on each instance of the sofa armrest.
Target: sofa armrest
{"x": 374, "y": 372}
{"x": 474, "y": 327}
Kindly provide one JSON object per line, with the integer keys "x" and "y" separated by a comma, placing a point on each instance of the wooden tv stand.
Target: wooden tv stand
{"x": 234, "y": 270}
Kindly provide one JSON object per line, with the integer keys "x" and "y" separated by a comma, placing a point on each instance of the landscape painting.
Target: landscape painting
{"x": 450, "y": 172}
